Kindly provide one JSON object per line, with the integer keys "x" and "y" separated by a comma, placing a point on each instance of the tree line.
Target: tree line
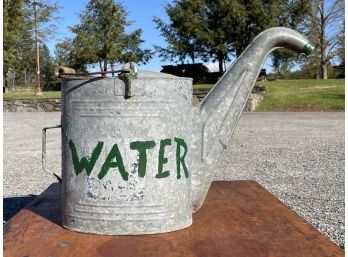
{"x": 20, "y": 18}
{"x": 198, "y": 30}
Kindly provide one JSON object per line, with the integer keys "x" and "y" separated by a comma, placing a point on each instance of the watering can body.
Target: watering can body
{"x": 125, "y": 158}
{"x": 137, "y": 158}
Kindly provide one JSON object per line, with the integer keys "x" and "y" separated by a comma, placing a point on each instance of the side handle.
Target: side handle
{"x": 44, "y": 152}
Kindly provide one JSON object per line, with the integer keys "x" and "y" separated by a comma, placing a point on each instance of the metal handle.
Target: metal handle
{"x": 44, "y": 152}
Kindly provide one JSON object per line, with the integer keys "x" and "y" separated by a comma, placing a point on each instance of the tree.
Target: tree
{"x": 62, "y": 53}
{"x": 196, "y": 29}
{"x": 293, "y": 17}
{"x": 66, "y": 56}
{"x": 42, "y": 13}
{"x": 47, "y": 66}
{"x": 101, "y": 36}
{"x": 19, "y": 39}
{"x": 324, "y": 24}
{"x": 341, "y": 46}
{"x": 179, "y": 35}
{"x": 15, "y": 33}
{"x": 215, "y": 30}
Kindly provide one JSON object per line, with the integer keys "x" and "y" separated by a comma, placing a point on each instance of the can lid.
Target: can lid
{"x": 158, "y": 75}
{"x": 128, "y": 68}
{"x": 130, "y": 82}
{"x": 130, "y": 73}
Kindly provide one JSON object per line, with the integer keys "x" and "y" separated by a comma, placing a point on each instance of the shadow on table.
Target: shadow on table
{"x": 46, "y": 205}
{"x": 12, "y": 205}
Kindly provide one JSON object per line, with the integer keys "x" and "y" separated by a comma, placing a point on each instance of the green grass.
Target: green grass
{"x": 202, "y": 86}
{"x": 31, "y": 95}
{"x": 299, "y": 95}
{"x": 303, "y": 95}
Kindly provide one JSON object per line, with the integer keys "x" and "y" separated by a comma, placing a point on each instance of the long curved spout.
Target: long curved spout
{"x": 217, "y": 116}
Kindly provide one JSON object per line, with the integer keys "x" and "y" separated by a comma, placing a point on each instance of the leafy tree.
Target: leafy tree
{"x": 196, "y": 29}
{"x": 14, "y": 17}
{"x": 213, "y": 30}
{"x": 294, "y": 17}
{"x": 19, "y": 40}
{"x": 66, "y": 56}
{"x": 28, "y": 67}
{"x": 101, "y": 36}
{"x": 283, "y": 61}
{"x": 47, "y": 66}
{"x": 180, "y": 36}
{"x": 63, "y": 53}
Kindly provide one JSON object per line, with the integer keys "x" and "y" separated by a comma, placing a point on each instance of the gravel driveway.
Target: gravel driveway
{"x": 299, "y": 157}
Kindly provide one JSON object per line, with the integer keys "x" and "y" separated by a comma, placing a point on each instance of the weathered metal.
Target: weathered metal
{"x": 133, "y": 178}
{"x": 43, "y": 159}
{"x": 136, "y": 157}
{"x": 215, "y": 119}
{"x": 238, "y": 218}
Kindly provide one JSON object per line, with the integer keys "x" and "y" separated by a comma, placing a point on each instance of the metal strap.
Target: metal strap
{"x": 44, "y": 152}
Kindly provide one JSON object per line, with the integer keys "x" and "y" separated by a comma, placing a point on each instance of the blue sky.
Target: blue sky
{"x": 140, "y": 12}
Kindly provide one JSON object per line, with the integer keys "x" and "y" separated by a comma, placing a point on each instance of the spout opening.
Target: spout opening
{"x": 308, "y": 49}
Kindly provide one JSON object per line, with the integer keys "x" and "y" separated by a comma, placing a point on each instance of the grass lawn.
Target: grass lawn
{"x": 303, "y": 95}
{"x": 31, "y": 95}
{"x": 299, "y": 95}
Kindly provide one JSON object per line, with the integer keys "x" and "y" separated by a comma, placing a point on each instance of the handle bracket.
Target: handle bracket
{"x": 44, "y": 152}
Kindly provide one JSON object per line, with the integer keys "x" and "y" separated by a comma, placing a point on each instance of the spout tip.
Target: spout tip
{"x": 308, "y": 49}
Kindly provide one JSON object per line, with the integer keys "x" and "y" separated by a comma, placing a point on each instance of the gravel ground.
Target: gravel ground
{"x": 299, "y": 157}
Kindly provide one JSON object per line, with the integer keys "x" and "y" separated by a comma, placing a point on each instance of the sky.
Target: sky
{"x": 140, "y": 12}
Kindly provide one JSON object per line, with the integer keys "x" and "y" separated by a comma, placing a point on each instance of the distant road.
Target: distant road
{"x": 299, "y": 157}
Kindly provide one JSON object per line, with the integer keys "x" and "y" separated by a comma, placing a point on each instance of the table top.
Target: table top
{"x": 238, "y": 218}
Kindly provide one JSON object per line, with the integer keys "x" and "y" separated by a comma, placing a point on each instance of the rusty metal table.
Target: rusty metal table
{"x": 238, "y": 218}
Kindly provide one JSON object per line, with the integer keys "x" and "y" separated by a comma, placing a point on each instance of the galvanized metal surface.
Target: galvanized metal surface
{"x": 128, "y": 164}
{"x": 215, "y": 119}
{"x": 124, "y": 163}
{"x": 43, "y": 154}
{"x": 238, "y": 218}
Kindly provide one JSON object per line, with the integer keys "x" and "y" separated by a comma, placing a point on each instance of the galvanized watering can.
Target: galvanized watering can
{"x": 137, "y": 158}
